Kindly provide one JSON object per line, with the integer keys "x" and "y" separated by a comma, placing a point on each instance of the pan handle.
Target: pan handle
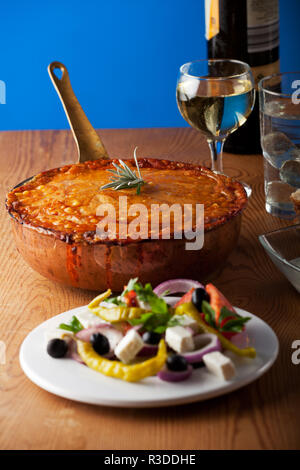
{"x": 89, "y": 144}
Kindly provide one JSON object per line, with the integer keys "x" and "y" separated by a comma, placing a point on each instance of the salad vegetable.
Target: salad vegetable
{"x": 226, "y": 321}
{"x": 73, "y": 326}
{"x": 204, "y": 344}
{"x": 57, "y": 348}
{"x": 171, "y": 376}
{"x": 118, "y": 314}
{"x": 155, "y": 322}
{"x": 131, "y": 372}
{"x": 186, "y": 297}
{"x": 137, "y": 334}
{"x": 150, "y": 337}
{"x": 100, "y": 298}
{"x": 190, "y": 309}
{"x": 113, "y": 335}
{"x": 218, "y": 301}
{"x": 175, "y": 286}
{"x": 198, "y": 296}
{"x": 100, "y": 343}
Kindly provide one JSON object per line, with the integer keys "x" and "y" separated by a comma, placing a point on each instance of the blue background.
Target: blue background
{"x": 122, "y": 56}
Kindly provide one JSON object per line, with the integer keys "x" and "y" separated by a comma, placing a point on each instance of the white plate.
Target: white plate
{"x": 69, "y": 379}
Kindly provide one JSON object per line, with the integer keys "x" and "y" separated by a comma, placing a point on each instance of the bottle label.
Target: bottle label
{"x": 262, "y": 25}
{"x": 212, "y": 24}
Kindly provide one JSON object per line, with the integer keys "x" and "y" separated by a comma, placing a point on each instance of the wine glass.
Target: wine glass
{"x": 215, "y": 96}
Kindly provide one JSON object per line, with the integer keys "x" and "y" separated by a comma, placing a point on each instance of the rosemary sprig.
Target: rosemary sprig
{"x": 123, "y": 177}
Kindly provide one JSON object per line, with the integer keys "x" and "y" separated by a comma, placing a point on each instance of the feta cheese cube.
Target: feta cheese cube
{"x": 88, "y": 319}
{"x": 129, "y": 346}
{"x": 179, "y": 338}
{"x": 187, "y": 321}
{"x": 220, "y": 365}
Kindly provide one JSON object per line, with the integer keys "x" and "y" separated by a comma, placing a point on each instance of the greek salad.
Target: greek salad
{"x": 138, "y": 333}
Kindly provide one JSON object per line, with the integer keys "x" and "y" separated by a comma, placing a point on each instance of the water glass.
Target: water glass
{"x": 279, "y": 101}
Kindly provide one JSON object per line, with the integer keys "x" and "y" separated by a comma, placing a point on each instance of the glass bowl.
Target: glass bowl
{"x": 283, "y": 247}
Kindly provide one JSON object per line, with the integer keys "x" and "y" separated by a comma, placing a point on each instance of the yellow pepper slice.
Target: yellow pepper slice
{"x": 190, "y": 309}
{"x": 114, "y": 314}
{"x": 97, "y": 300}
{"x": 117, "y": 314}
{"x": 131, "y": 372}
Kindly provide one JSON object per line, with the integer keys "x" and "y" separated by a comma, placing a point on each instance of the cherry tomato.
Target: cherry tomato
{"x": 130, "y": 298}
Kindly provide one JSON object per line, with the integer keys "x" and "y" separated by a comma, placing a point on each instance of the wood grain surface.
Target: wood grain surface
{"x": 263, "y": 415}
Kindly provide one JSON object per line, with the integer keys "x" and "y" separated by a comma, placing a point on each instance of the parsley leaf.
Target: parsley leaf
{"x": 225, "y": 313}
{"x": 235, "y": 325}
{"x": 209, "y": 314}
{"x": 115, "y": 301}
{"x": 130, "y": 286}
{"x": 157, "y": 322}
{"x": 146, "y": 294}
{"x": 73, "y": 326}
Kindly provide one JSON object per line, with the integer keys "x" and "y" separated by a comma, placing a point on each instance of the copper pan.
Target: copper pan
{"x": 103, "y": 265}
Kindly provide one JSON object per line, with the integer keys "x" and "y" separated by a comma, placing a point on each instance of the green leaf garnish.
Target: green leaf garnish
{"x": 73, "y": 326}
{"x": 115, "y": 301}
{"x": 124, "y": 178}
{"x": 156, "y": 322}
{"x": 235, "y": 325}
{"x": 130, "y": 286}
{"x": 146, "y": 294}
{"x": 209, "y": 313}
{"x": 225, "y": 312}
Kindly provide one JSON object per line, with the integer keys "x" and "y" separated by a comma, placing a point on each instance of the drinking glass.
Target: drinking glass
{"x": 215, "y": 96}
{"x": 279, "y": 102}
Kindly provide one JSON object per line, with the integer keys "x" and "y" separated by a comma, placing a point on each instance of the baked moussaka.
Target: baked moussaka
{"x": 55, "y": 221}
{"x": 64, "y": 202}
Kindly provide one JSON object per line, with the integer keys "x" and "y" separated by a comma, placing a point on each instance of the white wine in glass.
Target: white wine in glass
{"x": 215, "y": 97}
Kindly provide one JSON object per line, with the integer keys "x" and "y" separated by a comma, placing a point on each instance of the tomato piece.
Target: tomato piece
{"x": 125, "y": 327}
{"x": 218, "y": 300}
{"x": 226, "y": 320}
{"x": 227, "y": 334}
{"x": 131, "y": 294}
{"x": 185, "y": 298}
{"x": 130, "y": 298}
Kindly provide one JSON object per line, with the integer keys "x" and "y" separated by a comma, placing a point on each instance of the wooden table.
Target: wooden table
{"x": 263, "y": 415}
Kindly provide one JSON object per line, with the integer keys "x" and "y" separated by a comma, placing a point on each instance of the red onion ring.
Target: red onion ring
{"x": 72, "y": 352}
{"x": 172, "y": 376}
{"x": 113, "y": 335}
{"x": 148, "y": 350}
{"x": 174, "y": 286}
{"x": 205, "y": 343}
{"x": 85, "y": 334}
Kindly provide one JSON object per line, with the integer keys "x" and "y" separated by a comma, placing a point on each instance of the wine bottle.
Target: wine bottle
{"x": 246, "y": 30}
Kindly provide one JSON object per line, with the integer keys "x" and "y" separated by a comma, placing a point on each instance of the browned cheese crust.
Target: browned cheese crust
{"x": 63, "y": 202}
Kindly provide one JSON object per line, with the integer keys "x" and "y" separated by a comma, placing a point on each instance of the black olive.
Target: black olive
{"x": 197, "y": 365}
{"x": 150, "y": 337}
{"x": 100, "y": 343}
{"x": 57, "y": 348}
{"x": 198, "y": 296}
{"x": 177, "y": 363}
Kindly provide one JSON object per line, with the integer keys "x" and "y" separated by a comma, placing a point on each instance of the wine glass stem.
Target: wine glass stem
{"x": 216, "y": 153}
